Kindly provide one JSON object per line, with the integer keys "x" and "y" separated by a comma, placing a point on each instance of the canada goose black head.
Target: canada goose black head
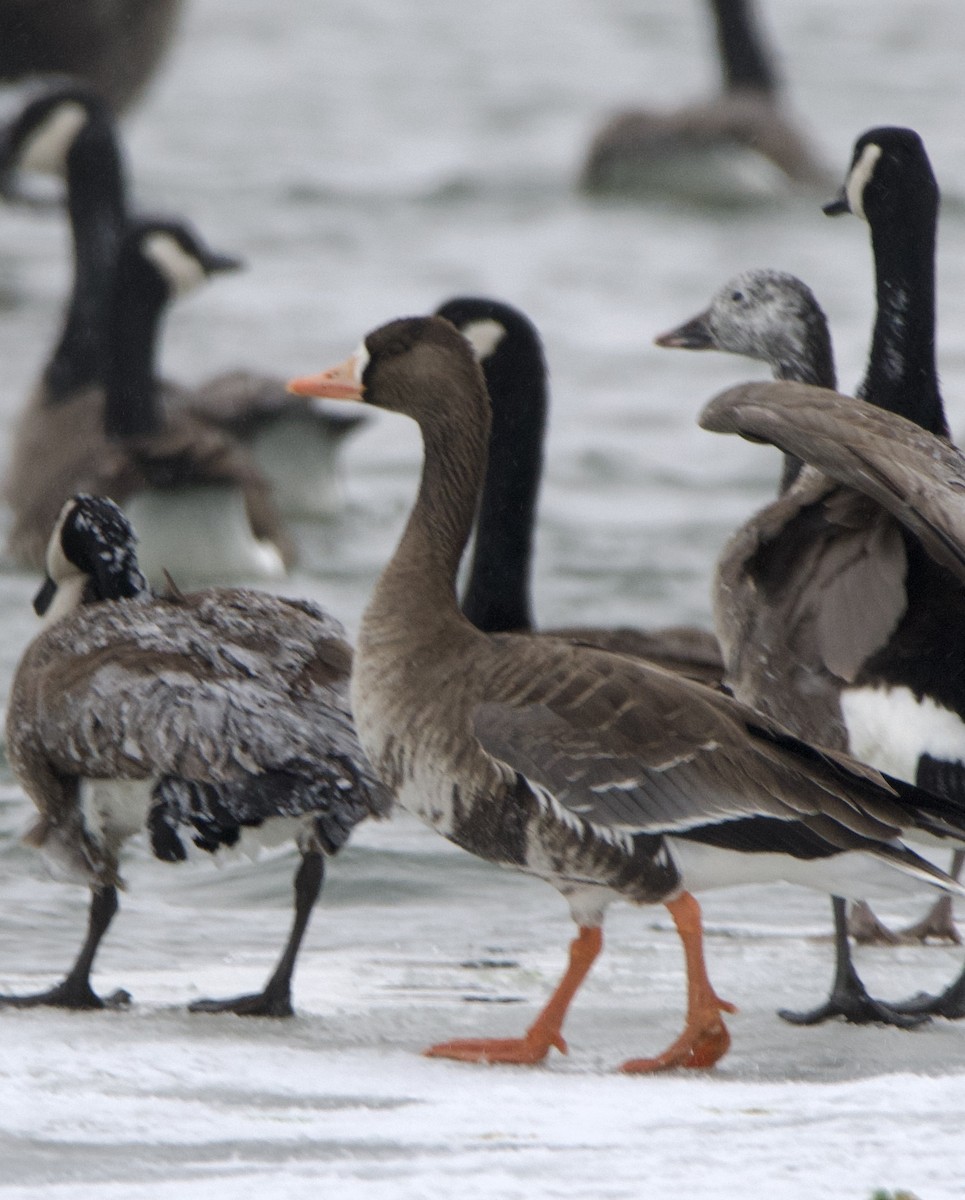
{"x": 890, "y": 180}
{"x": 171, "y": 255}
{"x": 91, "y": 556}
{"x": 56, "y": 129}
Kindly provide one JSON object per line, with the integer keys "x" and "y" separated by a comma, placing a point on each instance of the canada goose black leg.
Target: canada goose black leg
{"x": 74, "y": 990}
{"x": 849, "y": 998}
{"x": 274, "y": 1000}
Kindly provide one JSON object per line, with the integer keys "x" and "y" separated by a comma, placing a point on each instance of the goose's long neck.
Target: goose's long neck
{"x": 138, "y": 302}
{"x": 96, "y": 206}
{"x": 744, "y": 60}
{"x": 813, "y": 365}
{"x": 902, "y": 376}
{"x": 417, "y": 590}
{"x": 497, "y": 595}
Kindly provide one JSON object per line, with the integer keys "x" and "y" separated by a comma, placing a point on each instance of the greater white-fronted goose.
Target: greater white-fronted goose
{"x": 114, "y": 45}
{"x": 603, "y": 775}
{"x": 740, "y": 144}
{"x": 837, "y": 605}
{"x": 497, "y": 596}
{"x": 214, "y": 715}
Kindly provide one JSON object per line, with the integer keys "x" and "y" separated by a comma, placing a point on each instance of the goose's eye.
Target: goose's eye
{"x": 737, "y": 297}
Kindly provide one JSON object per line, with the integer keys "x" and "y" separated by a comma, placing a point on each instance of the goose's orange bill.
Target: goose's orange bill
{"x": 337, "y": 383}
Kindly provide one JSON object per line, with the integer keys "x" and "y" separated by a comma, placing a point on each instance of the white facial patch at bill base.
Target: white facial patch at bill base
{"x": 858, "y": 178}
{"x": 182, "y": 270}
{"x": 360, "y": 360}
{"x": 46, "y": 149}
{"x": 891, "y": 729}
{"x": 484, "y": 336}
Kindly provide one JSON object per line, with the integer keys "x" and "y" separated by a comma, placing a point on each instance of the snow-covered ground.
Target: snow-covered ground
{"x": 414, "y": 941}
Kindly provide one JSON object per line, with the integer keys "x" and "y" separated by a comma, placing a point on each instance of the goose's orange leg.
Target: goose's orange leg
{"x": 535, "y": 1043}
{"x": 705, "y": 1038}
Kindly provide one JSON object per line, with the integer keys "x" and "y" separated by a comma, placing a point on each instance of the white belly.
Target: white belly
{"x": 890, "y": 728}
{"x": 200, "y": 534}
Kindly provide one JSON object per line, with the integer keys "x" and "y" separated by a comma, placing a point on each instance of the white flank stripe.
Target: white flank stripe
{"x": 891, "y": 729}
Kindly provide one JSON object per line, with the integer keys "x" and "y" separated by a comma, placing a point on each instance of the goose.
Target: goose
{"x": 835, "y": 604}
{"x": 739, "y": 145}
{"x": 497, "y": 596}
{"x": 774, "y": 317}
{"x": 605, "y": 776}
{"x": 217, "y": 714}
{"x": 194, "y": 493}
{"x": 116, "y": 46}
{"x": 67, "y": 130}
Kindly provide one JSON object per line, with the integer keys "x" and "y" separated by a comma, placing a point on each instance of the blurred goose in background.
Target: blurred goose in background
{"x": 497, "y": 596}
{"x": 837, "y": 605}
{"x": 67, "y": 131}
{"x": 115, "y": 46}
{"x": 738, "y": 145}
{"x": 601, "y": 774}
{"x": 217, "y": 714}
{"x": 205, "y": 510}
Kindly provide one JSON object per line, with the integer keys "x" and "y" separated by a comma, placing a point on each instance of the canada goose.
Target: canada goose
{"x": 497, "y": 595}
{"x": 836, "y": 603}
{"x": 114, "y": 45}
{"x": 66, "y": 130}
{"x": 212, "y": 713}
{"x": 605, "y": 776}
{"x": 195, "y": 495}
{"x": 740, "y": 144}
{"x": 774, "y": 317}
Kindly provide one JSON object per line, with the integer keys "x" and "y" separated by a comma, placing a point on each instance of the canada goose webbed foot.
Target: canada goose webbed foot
{"x": 69, "y": 993}
{"x": 937, "y": 925}
{"x": 865, "y": 928}
{"x": 857, "y": 1008}
{"x": 950, "y": 1004}
{"x": 268, "y": 1003}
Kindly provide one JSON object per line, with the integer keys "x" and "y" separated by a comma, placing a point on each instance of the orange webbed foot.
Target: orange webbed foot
{"x": 700, "y": 1046}
{"x": 524, "y": 1051}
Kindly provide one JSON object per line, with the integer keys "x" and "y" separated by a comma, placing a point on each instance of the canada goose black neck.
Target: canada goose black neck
{"x": 899, "y": 198}
{"x": 138, "y": 302}
{"x": 498, "y": 595}
{"x": 96, "y": 204}
{"x": 744, "y": 61}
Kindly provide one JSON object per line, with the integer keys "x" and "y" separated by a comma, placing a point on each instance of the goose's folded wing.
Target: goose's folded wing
{"x": 639, "y": 749}
{"x": 220, "y": 687}
{"x": 917, "y": 477}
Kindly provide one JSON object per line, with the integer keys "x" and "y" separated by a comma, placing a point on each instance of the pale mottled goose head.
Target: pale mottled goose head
{"x": 890, "y": 180}
{"x": 91, "y": 556}
{"x": 766, "y": 315}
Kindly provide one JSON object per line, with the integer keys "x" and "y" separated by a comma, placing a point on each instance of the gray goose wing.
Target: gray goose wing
{"x": 915, "y": 476}
{"x": 634, "y": 748}
{"x": 235, "y": 699}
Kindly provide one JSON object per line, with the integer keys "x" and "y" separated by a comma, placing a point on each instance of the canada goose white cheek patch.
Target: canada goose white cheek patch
{"x": 891, "y": 729}
{"x": 46, "y": 149}
{"x": 859, "y": 176}
{"x": 182, "y": 270}
{"x": 484, "y": 336}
